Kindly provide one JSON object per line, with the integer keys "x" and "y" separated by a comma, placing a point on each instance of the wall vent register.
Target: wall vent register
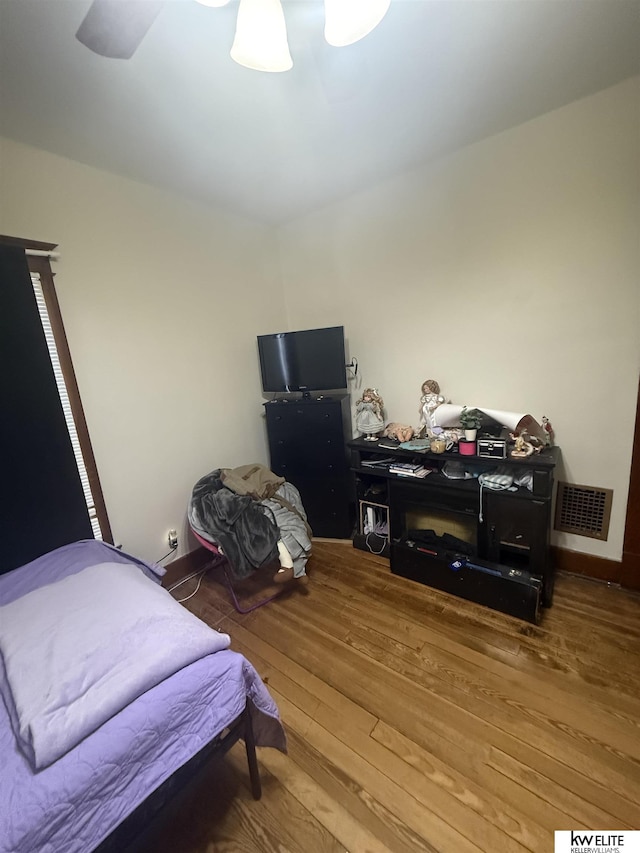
{"x": 584, "y": 510}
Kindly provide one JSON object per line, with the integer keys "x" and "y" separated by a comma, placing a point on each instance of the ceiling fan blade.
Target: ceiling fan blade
{"x": 115, "y": 28}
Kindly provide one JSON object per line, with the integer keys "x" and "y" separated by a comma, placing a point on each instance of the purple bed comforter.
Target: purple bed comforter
{"x": 75, "y": 803}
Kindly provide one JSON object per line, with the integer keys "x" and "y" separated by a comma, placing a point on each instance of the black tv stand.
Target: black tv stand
{"x": 507, "y": 564}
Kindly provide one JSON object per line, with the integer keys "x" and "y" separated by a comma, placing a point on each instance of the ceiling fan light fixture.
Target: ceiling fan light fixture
{"x": 260, "y": 42}
{"x": 347, "y": 21}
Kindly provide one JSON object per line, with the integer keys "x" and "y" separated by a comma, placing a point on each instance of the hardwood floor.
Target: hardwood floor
{"x": 420, "y": 722}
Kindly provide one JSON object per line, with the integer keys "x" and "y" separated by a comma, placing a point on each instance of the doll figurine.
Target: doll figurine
{"x": 401, "y": 432}
{"x": 429, "y": 402}
{"x": 525, "y": 444}
{"x": 369, "y": 420}
{"x": 548, "y": 430}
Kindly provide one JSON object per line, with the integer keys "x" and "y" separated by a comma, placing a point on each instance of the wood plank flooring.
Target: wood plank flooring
{"x": 420, "y": 722}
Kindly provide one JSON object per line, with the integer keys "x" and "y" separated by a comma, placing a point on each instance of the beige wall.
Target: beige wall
{"x": 162, "y": 300}
{"x": 509, "y": 272}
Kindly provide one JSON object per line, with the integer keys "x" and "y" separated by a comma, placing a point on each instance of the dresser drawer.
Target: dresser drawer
{"x": 325, "y": 454}
{"x": 327, "y": 504}
{"x": 313, "y": 420}
{"x": 293, "y": 469}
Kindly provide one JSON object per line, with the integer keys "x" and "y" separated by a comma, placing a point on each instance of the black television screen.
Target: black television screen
{"x": 310, "y": 360}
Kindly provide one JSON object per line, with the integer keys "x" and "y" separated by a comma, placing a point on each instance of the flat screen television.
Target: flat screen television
{"x": 309, "y": 360}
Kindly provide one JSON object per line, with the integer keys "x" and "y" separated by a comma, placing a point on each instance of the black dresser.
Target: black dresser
{"x": 307, "y": 446}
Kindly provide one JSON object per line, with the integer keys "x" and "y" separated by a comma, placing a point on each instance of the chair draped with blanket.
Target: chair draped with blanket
{"x": 248, "y": 517}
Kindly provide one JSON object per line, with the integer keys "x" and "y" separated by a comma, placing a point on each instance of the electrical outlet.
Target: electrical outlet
{"x": 172, "y": 538}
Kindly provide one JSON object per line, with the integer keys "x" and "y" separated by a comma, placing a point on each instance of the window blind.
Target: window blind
{"x": 66, "y": 404}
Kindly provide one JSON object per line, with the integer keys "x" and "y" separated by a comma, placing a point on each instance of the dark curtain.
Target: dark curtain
{"x": 42, "y": 505}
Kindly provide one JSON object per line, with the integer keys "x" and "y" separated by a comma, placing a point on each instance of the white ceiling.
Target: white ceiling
{"x": 434, "y": 76}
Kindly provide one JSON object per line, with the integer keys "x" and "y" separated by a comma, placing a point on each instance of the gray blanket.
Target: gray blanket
{"x": 294, "y": 531}
{"x": 244, "y": 528}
